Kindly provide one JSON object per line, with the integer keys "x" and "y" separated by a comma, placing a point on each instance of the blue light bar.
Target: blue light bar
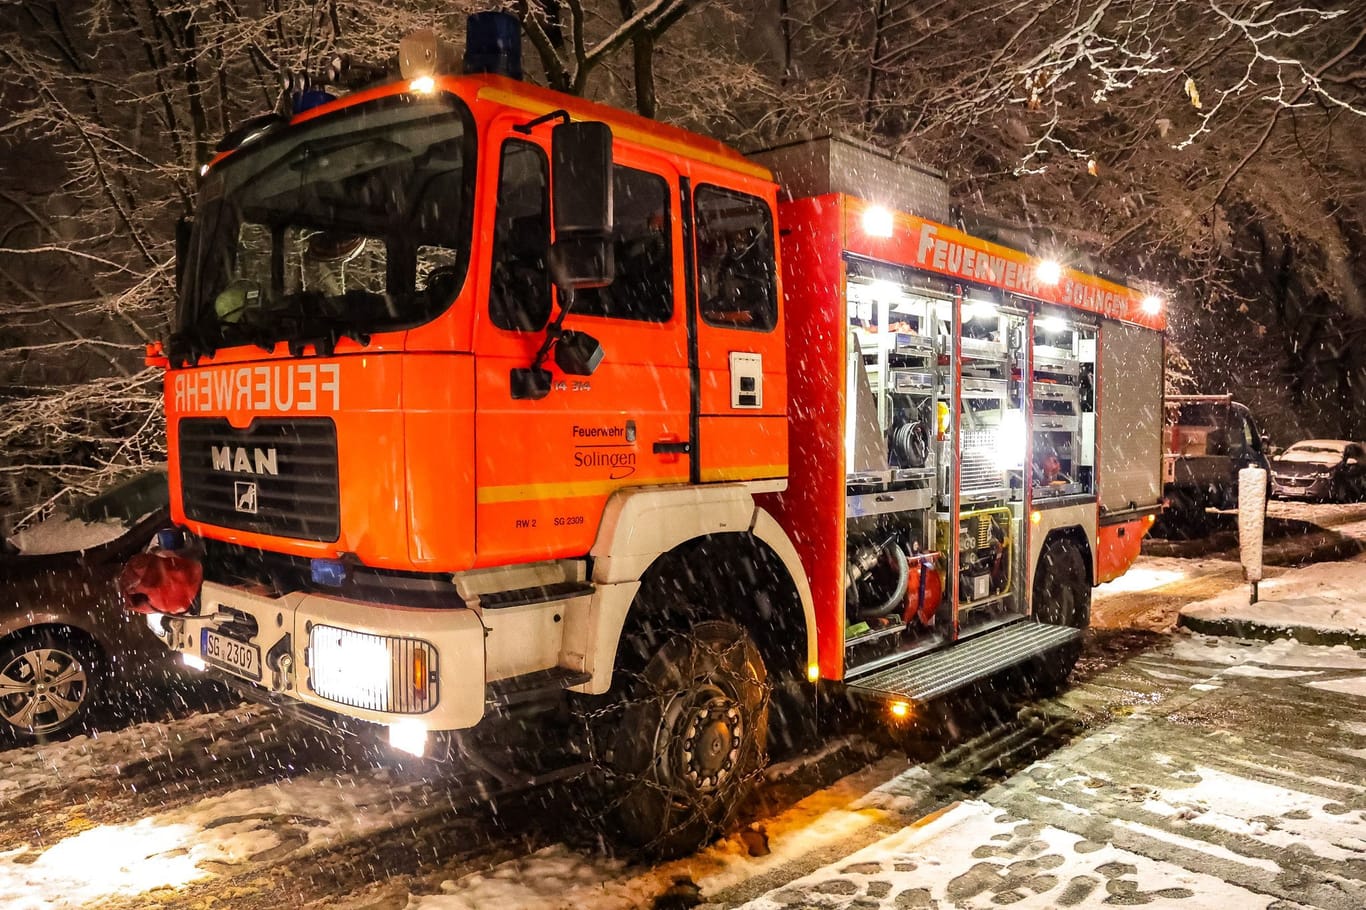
{"x": 493, "y": 44}
{"x": 329, "y": 572}
{"x": 170, "y": 538}
{"x": 311, "y": 98}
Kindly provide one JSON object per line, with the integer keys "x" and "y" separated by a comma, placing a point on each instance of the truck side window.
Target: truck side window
{"x": 643, "y": 286}
{"x": 736, "y": 287}
{"x": 519, "y": 282}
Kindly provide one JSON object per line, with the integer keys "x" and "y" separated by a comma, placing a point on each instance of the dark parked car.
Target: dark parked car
{"x": 1328, "y": 470}
{"x": 64, "y": 638}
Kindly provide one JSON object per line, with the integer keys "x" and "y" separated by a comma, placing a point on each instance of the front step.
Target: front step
{"x": 517, "y": 690}
{"x": 928, "y": 676}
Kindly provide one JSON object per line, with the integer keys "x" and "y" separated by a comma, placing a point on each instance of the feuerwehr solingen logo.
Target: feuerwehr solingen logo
{"x": 244, "y": 496}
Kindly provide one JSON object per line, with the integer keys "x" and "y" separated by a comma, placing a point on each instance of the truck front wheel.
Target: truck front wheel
{"x": 690, "y": 738}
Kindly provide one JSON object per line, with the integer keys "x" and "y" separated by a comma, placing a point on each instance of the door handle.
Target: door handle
{"x": 672, "y": 448}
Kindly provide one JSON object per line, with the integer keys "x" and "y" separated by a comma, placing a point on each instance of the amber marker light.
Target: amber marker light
{"x": 813, "y": 673}
{"x": 1035, "y": 517}
{"x": 900, "y": 709}
{"x": 420, "y": 673}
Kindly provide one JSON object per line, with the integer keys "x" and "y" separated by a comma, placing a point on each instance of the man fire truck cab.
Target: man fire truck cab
{"x": 483, "y": 399}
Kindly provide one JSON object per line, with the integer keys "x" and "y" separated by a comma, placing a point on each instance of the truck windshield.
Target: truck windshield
{"x": 355, "y": 223}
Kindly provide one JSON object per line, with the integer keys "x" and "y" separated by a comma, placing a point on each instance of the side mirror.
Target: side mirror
{"x": 183, "y": 227}
{"x": 577, "y": 353}
{"x": 581, "y": 162}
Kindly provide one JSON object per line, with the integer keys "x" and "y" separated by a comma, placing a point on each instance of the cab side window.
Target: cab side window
{"x": 736, "y": 286}
{"x": 643, "y": 286}
{"x": 519, "y": 281}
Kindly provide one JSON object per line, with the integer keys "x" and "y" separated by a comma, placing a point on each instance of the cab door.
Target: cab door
{"x": 544, "y": 468}
{"x": 740, "y": 431}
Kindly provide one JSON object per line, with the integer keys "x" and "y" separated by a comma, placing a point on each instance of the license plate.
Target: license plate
{"x": 238, "y": 656}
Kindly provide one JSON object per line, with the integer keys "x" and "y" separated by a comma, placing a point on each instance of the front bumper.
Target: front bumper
{"x": 1290, "y": 486}
{"x": 354, "y": 659}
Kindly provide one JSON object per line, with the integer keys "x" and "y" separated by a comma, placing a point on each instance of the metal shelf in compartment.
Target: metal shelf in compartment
{"x": 900, "y": 342}
{"x": 858, "y": 505}
{"x": 980, "y": 388}
{"x": 1059, "y": 361}
{"x": 1061, "y": 491}
{"x": 911, "y": 381}
{"x": 913, "y": 345}
{"x": 1056, "y": 423}
{"x": 984, "y": 494}
{"x": 1055, "y": 391}
{"x": 980, "y": 349}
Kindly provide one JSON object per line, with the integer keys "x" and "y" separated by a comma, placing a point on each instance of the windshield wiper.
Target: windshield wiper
{"x": 320, "y": 326}
{"x": 324, "y": 333}
{"x": 186, "y": 347}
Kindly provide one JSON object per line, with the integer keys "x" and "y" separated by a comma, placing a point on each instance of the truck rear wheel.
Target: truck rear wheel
{"x": 1062, "y": 596}
{"x": 1062, "y": 589}
{"x": 690, "y": 738}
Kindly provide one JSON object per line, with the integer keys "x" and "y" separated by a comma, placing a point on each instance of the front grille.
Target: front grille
{"x": 376, "y": 672}
{"x": 276, "y": 477}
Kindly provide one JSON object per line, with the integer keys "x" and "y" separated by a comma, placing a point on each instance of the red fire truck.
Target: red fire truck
{"x": 483, "y": 400}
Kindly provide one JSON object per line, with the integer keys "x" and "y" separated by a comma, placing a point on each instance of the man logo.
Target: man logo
{"x": 244, "y": 492}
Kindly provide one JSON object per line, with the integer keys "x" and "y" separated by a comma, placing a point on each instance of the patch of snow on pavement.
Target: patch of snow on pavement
{"x": 171, "y": 849}
{"x": 1279, "y": 817}
{"x": 55, "y": 765}
{"x": 548, "y": 879}
{"x": 1149, "y": 574}
{"x": 1327, "y": 596}
{"x": 1256, "y": 672}
{"x": 976, "y": 856}
{"x": 1355, "y": 685}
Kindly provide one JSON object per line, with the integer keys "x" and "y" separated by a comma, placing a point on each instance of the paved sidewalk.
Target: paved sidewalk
{"x": 1321, "y": 604}
{"x": 1240, "y": 789}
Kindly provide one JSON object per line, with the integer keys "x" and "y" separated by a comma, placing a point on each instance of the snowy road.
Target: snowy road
{"x": 1177, "y": 771}
{"x": 1200, "y": 773}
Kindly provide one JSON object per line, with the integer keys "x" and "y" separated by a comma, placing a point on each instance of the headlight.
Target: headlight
{"x": 378, "y": 672}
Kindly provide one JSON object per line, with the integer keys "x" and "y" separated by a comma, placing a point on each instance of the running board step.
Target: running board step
{"x": 530, "y": 686}
{"x": 928, "y": 676}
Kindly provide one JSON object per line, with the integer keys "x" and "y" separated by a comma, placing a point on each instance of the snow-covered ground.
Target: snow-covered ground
{"x": 1326, "y": 597}
{"x": 1180, "y": 803}
{"x": 1211, "y": 772}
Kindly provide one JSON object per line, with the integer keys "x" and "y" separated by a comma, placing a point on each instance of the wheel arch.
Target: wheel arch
{"x": 38, "y": 623}
{"x": 713, "y": 539}
{"x": 1076, "y": 535}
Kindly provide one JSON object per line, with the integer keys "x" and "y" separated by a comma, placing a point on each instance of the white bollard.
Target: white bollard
{"x": 1251, "y": 523}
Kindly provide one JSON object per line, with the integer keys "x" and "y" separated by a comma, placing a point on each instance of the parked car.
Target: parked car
{"x": 65, "y": 641}
{"x": 1327, "y": 470}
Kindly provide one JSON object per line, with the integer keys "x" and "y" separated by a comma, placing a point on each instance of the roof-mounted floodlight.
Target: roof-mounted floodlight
{"x": 877, "y": 221}
{"x": 422, "y": 53}
{"x": 1152, "y": 304}
{"x": 1049, "y": 272}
